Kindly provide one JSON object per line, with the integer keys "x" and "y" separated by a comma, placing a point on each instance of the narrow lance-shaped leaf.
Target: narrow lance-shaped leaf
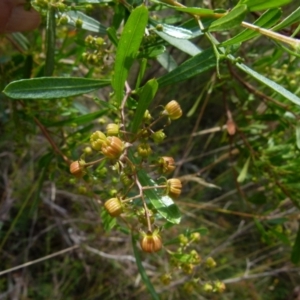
{"x": 298, "y": 136}
{"x": 142, "y": 270}
{"x": 266, "y": 20}
{"x": 50, "y": 42}
{"x": 255, "y": 5}
{"x": 174, "y": 31}
{"x": 87, "y": 118}
{"x": 52, "y": 87}
{"x": 244, "y": 171}
{"x": 204, "y": 12}
{"x": 289, "y": 20}
{"x": 190, "y": 68}
{"x": 128, "y": 47}
{"x": 164, "y": 204}
{"x": 185, "y": 46}
{"x": 230, "y": 20}
{"x": 88, "y": 23}
{"x": 271, "y": 84}
{"x": 167, "y": 61}
{"x": 146, "y": 95}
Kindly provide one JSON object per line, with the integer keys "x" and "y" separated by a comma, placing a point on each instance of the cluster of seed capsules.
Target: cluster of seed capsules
{"x": 114, "y": 147}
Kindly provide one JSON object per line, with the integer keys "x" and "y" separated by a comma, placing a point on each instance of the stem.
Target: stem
{"x": 295, "y": 43}
{"x": 52, "y": 143}
{"x": 154, "y": 187}
{"x": 50, "y": 42}
{"x": 128, "y": 91}
{"x": 94, "y": 162}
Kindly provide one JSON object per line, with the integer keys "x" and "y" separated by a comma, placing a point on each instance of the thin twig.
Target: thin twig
{"x": 30, "y": 263}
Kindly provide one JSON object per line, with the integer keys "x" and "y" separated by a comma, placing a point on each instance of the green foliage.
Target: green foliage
{"x": 90, "y": 94}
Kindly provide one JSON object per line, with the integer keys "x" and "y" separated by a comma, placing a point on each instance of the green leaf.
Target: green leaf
{"x": 89, "y": 1}
{"x": 244, "y": 172}
{"x": 20, "y": 40}
{"x": 146, "y": 95}
{"x": 112, "y": 35}
{"x": 167, "y": 61}
{"x": 230, "y": 20}
{"x": 266, "y": 20}
{"x": 108, "y": 222}
{"x": 271, "y": 84}
{"x": 255, "y": 5}
{"x": 295, "y": 257}
{"x": 298, "y": 136}
{"x": 128, "y": 47}
{"x": 289, "y": 20}
{"x": 88, "y": 23}
{"x": 184, "y": 45}
{"x": 142, "y": 270}
{"x": 190, "y": 68}
{"x": 50, "y": 42}
{"x": 164, "y": 204}
{"x": 52, "y": 87}
{"x": 175, "y": 31}
{"x": 87, "y": 118}
{"x": 195, "y": 10}
{"x": 152, "y": 52}
{"x": 143, "y": 66}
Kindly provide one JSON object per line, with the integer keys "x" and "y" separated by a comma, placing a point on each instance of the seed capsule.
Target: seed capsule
{"x": 114, "y": 207}
{"x": 231, "y": 127}
{"x": 219, "y": 286}
{"x": 208, "y": 288}
{"x": 76, "y": 169}
{"x": 151, "y": 242}
{"x": 97, "y": 139}
{"x": 112, "y": 129}
{"x": 147, "y": 117}
{"x": 113, "y": 147}
{"x": 166, "y": 164}
{"x": 144, "y": 150}
{"x": 174, "y": 187}
{"x": 173, "y": 110}
{"x": 158, "y": 136}
{"x": 210, "y": 263}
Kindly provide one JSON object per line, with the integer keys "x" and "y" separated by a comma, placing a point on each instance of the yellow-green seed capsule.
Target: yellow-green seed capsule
{"x": 126, "y": 179}
{"x": 187, "y": 268}
{"x": 166, "y": 278}
{"x": 100, "y": 41}
{"x": 210, "y": 263}
{"x": 159, "y": 27}
{"x": 207, "y": 287}
{"x": 78, "y": 23}
{"x": 196, "y": 236}
{"x": 195, "y": 257}
{"x": 63, "y": 20}
{"x": 173, "y": 110}
{"x": 144, "y": 150}
{"x": 112, "y": 129}
{"x": 88, "y": 150}
{"x": 174, "y": 187}
{"x": 97, "y": 139}
{"x": 183, "y": 240}
{"x": 219, "y": 287}
{"x": 114, "y": 207}
{"x": 147, "y": 117}
{"x": 158, "y": 136}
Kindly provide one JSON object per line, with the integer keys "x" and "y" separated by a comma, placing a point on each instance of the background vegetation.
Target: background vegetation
{"x": 236, "y": 149}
